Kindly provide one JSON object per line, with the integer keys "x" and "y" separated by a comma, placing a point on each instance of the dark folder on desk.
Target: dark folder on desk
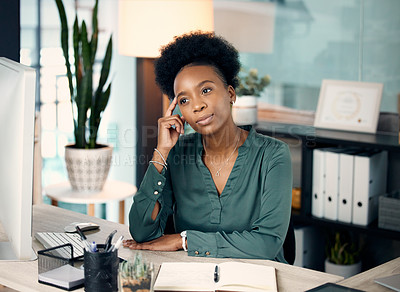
{"x": 331, "y": 287}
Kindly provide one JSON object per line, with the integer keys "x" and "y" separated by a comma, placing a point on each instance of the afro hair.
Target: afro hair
{"x": 196, "y": 48}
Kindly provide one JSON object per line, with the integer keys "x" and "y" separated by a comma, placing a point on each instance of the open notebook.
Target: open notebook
{"x": 233, "y": 276}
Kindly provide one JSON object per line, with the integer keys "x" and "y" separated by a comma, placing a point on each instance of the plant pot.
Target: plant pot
{"x": 342, "y": 270}
{"x": 88, "y": 168}
{"x": 244, "y": 110}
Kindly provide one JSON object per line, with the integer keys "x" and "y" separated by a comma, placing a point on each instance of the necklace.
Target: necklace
{"x": 218, "y": 173}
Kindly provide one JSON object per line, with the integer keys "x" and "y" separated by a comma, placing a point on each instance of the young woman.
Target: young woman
{"x": 228, "y": 188}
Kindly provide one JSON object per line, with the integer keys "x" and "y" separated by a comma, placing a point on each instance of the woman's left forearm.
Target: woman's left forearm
{"x": 167, "y": 242}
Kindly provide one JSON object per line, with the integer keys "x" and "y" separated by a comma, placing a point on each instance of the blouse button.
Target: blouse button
{"x": 196, "y": 252}
{"x": 207, "y": 253}
{"x": 159, "y": 183}
{"x": 156, "y": 192}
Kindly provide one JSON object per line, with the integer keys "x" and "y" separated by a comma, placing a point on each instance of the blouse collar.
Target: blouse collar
{"x": 242, "y": 149}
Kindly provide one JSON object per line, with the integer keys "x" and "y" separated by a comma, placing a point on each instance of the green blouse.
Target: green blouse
{"x": 248, "y": 220}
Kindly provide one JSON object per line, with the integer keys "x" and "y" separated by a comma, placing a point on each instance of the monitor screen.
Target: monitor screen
{"x": 17, "y": 116}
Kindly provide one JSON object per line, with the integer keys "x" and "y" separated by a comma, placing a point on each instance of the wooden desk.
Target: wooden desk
{"x": 22, "y": 276}
{"x": 365, "y": 280}
{"x": 113, "y": 190}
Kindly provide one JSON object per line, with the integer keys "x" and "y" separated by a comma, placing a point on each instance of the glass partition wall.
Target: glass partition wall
{"x": 357, "y": 40}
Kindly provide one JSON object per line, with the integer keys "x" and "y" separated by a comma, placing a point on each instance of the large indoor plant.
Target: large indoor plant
{"x": 343, "y": 255}
{"x": 87, "y": 162}
{"x": 244, "y": 111}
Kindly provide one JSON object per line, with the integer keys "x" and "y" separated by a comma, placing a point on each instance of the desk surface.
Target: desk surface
{"x": 365, "y": 281}
{"x": 23, "y": 275}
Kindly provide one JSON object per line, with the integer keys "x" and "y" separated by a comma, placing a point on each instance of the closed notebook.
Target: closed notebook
{"x": 233, "y": 276}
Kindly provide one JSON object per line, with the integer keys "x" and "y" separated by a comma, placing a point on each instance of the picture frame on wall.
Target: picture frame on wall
{"x": 349, "y": 106}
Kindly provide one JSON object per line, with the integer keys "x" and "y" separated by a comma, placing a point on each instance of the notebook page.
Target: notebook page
{"x": 246, "y": 277}
{"x": 185, "y": 277}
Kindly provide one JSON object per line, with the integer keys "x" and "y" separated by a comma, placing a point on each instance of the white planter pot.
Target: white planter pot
{"x": 342, "y": 270}
{"x": 88, "y": 168}
{"x": 244, "y": 110}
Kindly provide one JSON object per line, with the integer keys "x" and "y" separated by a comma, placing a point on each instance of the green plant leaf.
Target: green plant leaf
{"x": 101, "y": 98}
{"x": 83, "y": 99}
{"x": 64, "y": 43}
{"x": 100, "y": 106}
{"x": 78, "y": 67}
{"x": 94, "y": 39}
{"x": 105, "y": 69}
{"x": 250, "y": 83}
{"x": 83, "y": 103}
{"x": 341, "y": 250}
{"x": 104, "y": 99}
{"x": 86, "y": 52}
{"x": 87, "y": 83}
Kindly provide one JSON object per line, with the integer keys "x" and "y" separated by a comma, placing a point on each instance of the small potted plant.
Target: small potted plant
{"x": 87, "y": 162}
{"x": 136, "y": 274}
{"x": 343, "y": 256}
{"x": 244, "y": 111}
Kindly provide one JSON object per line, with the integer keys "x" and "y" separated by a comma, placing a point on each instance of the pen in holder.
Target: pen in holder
{"x": 101, "y": 270}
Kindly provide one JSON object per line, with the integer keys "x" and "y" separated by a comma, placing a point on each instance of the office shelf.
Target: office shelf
{"x": 311, "y": 135}
{"x": 371, "y": 230}
{"x": 312, "y": 138}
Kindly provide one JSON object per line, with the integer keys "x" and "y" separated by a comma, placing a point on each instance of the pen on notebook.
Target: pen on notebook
{"x": 118, "y": 243}
{"x": 216, "y": 274}
{"x": 83, "y": 238}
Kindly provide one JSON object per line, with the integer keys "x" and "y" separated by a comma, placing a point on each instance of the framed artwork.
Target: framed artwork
{"x": 349, "y": 106}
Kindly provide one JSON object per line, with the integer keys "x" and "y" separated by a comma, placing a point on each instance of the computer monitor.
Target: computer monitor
{"x": 17, "y": 116}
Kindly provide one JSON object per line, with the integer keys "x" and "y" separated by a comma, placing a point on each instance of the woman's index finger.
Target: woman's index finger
{"x": 171, "y": 107}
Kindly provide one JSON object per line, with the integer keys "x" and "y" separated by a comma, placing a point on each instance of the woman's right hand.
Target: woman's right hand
{"x": 167, "y": 138}
{"x": 167, "y": 135}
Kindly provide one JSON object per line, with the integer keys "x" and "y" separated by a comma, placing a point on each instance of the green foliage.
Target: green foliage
{"x": 341, "y": 250}
{"x": 88, "y": 103}
{"x": 250, "y": 83}
{"x": 136, "y": 268}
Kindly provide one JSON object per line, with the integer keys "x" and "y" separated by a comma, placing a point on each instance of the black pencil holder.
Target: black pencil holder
{"x": 101, "y": 270}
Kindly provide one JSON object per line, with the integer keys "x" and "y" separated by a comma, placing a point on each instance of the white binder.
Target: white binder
{"x": 370, "y": 174}
{"x": 308, "y": 247}
{"x": 331, "y": 184}
{"x": 345, "y": 201}
{"x": 318, "y": 183}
